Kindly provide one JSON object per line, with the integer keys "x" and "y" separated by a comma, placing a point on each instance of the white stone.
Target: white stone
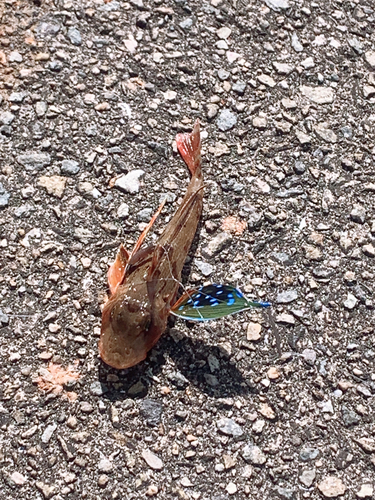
{"x": 266, "y": 80}
{"x": 18, "y": 478}
{"x": 370, "y": 58}
{"x": 130, "y": 183}
{"x": 123, "y": 211}
{"x": 223, "y": 33}
{"x": 253, "y": 331}
{"x": 296, "y": 44}
{"x": 319, "y": 95}
{"x": 332, "y": 487}
{"x": 308, "y": 63}
{"x": 152, "y": 460}
{"x": 325, "y": 133}
{"x": 282, "y": 68}
{"x": 231, "y": 488}
{"x": 366, "y": 491}
{"x": 277, "y": 5}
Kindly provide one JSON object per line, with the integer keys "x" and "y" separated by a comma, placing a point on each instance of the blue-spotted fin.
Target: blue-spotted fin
{"x": 213, "y": 302}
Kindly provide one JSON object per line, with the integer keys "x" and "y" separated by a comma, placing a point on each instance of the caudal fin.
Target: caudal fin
{"x": 189, "y": 146}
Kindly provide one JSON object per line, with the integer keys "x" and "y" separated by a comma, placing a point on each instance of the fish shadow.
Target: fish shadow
{"x": 203, "y": 365}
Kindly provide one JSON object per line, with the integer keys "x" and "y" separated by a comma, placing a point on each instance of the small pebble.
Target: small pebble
{"x": 253, "y": 331}
{"x": 152, "y": 460}
{"x": 226, "y": 120}
{"x": 130, "y": 183}
{"x": 229, "y": 427}
{"x": 331, "y": 487}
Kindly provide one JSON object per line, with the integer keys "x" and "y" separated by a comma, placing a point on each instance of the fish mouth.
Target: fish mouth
{"x": 115, "y": 352}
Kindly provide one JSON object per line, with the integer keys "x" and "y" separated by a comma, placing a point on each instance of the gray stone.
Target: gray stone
{"x": 356, "y": 45}
{"x": 227, "y": 120}
{"x": 91, "y": 130}
{"x": 253, "y": 455}
{"x": 204, "y": 267}
{"x": 47, "y": 29}
{"x": 277, "y": 5}
{"x": 309, "y": 356}
{"x": 70, "y": 167}
{"x": 152, "y": 411}
{"x": 286, "y": 297}
{"x": 34, "y": 161}
{"x": 229, "y": 427}
{"x": 308, "y": 454}
{"x": 307, "y": 477}
{"x": 358, "y": 214}
{"x": 347, "y": 132}
{"x": 4, "y": 318}
{"x": 144, "y": 215}
{"x": 168, "y": 197}
{"x": 130, "y": 182}
{"x": 97, "y": 388}
{"x": 299, "y": 167}
{"x": 223, "y": 74}
{"x": 48, "y": 431}
{"x": 283, "y": 258}
{"x": 349, "y": 416}
{"x": 217, "y": 244}
{"x": 114, "y": 5}
{"x": 4, "y": 197}
{"x": 186, "y": 23}
{"x": 74, "y": 36}
{"x": 319, "y": 95}
{"x": 285, "y": 493}
{"x": 239, "y": 87}
{"x": 17, "y": 97}
{"x": 211, "y": 380}
{"x": 24, "y": 210}
{"x": 6, "y": 117}
{"x": 178, "y": 380}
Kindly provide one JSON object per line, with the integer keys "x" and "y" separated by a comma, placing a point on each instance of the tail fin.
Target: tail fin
{"x": 189, "y": 146}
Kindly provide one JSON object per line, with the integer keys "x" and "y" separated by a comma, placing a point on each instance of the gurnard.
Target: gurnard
{"x": 144, "y": 283}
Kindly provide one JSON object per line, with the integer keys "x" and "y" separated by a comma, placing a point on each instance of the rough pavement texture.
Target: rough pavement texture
{"x": 285, "y": 91}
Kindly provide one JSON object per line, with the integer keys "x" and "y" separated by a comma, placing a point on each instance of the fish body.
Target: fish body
{"x": 144, "y": 283}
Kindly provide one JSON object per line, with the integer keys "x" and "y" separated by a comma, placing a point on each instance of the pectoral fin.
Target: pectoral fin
{"x": 116, "y": 273}
{"x": 147, "y": 229}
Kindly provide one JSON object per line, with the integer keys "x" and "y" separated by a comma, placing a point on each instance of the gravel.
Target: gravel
{"x": 92, "y": 96}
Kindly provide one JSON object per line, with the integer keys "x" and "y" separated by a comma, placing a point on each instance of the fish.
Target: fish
{"x": 213, "y": 301}
{"x": 144, "y": 283}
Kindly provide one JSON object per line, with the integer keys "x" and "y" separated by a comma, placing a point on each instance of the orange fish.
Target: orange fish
{"x": 144, "y": 283}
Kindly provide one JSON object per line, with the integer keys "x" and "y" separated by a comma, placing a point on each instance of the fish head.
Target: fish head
{"x": 127, "y": 331}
